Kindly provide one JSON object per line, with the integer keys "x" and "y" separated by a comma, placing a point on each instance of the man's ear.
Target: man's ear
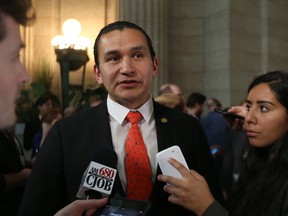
{"x": 155, "y": 67}
{"x": 97, "y": 75}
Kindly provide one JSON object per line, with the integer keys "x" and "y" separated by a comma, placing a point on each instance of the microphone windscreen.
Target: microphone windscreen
{"x": 99, "y": 177}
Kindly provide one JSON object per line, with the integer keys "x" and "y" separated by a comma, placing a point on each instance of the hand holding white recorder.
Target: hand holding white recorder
{"x": 166, "y": 168}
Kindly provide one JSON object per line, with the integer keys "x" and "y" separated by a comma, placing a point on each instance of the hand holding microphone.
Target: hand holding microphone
{"x": 97, "y": 182}
{"x": 77, "y": 207}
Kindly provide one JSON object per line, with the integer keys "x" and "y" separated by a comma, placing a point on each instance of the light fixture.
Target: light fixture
{"x": 71, "y": 52}
{"x": 71, "y": 29}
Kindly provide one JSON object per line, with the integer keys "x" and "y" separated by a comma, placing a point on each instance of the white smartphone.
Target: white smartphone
{"x": 166, "y": 168}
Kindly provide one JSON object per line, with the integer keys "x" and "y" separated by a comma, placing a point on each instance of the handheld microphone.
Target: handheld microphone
{"x": 99, "y": 177}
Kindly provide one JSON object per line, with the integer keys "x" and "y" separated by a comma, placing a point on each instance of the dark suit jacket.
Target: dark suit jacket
{"x": 67, "y": 152}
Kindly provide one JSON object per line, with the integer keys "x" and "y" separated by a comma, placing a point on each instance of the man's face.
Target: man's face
{"x": 12, "y": 72}
{"x": 125, "y": 67}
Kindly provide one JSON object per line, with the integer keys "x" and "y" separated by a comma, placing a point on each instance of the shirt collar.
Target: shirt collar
{"x": 119, "y": 112}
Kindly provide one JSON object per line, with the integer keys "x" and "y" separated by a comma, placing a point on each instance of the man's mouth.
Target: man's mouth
{"x": 128, "y": 83}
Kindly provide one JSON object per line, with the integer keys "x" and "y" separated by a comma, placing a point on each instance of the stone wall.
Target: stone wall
{"x": 213, "y": 47}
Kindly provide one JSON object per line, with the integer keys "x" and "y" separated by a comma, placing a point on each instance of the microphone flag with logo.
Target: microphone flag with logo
{"x": 99, "y": 177}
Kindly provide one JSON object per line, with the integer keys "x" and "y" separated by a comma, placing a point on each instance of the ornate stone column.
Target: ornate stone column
{"x": 152, "y": 16}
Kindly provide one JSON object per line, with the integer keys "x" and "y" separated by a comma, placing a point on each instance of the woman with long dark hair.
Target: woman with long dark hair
{"x": 263, "y": 185}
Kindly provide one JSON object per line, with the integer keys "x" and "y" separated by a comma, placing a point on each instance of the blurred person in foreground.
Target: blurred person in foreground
{"x": 262, "y": 188}
{"x": 14, "y": 175}
{"x": 12, "y": 74}
{"x": 126, "y": 63}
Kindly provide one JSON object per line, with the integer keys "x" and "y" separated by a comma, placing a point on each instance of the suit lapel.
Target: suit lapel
{"x": 163, "y": 128}
{"x": 99, "y": 124}
{"x": 163, "y": 125}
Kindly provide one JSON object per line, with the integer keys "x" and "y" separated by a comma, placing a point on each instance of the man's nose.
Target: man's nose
{"x": 23, "y": 75}
{"x": 127, "y": 65}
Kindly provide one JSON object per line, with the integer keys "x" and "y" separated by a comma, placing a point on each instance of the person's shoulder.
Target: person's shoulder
{"x": 213, "y": 115}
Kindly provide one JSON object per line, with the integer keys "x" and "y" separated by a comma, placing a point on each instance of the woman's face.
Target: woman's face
{"x": 266, "y": 120}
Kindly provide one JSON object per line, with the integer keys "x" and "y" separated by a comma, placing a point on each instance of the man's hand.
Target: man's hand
{"x": 82, "y": 207}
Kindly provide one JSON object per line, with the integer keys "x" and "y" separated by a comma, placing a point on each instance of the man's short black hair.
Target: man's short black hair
{"x": 120, "y": 25}
{"x": 195, "y": 98}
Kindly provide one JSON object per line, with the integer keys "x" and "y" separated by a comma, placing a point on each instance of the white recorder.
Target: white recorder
{"x": 166, "y": 168}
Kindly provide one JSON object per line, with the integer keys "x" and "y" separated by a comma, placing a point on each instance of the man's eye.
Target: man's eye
{"x": 138, "y": 55}
{"x": 113, "y": 58}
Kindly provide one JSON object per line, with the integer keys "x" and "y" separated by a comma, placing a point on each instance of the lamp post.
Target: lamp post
{"x": 71, "y": 52}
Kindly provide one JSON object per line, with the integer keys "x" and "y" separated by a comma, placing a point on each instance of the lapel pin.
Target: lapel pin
{"x": 164, "y": 120}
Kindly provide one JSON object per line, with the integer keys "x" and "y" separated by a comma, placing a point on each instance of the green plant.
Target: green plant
{"x": 43, "y": 75}
{"x": 25, "y": 105}
{"x": 41, "y": 85}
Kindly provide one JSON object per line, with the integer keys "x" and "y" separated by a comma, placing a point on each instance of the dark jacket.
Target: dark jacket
{"x": 68, "y": 148}
{"x": 10, "y": 162}
{"x": 215, "y": 209}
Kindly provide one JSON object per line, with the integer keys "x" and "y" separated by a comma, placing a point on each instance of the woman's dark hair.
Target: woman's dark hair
{"x": 20, "y": 10}
{"x": 277, "y": 82}
{"x": 121, "y": 25}
{"x": 264, "y": 177}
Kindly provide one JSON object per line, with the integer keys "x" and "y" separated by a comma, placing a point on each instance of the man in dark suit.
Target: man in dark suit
{"x": 126, "y": 64}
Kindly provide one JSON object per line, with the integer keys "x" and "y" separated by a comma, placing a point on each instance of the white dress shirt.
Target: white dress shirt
{"x": 119, "y": 130}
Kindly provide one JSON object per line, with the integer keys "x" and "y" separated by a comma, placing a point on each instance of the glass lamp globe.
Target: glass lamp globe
{"x": 71, "y": 28}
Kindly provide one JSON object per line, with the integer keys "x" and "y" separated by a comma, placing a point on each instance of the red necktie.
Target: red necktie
{"x": 137, "y": 165}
